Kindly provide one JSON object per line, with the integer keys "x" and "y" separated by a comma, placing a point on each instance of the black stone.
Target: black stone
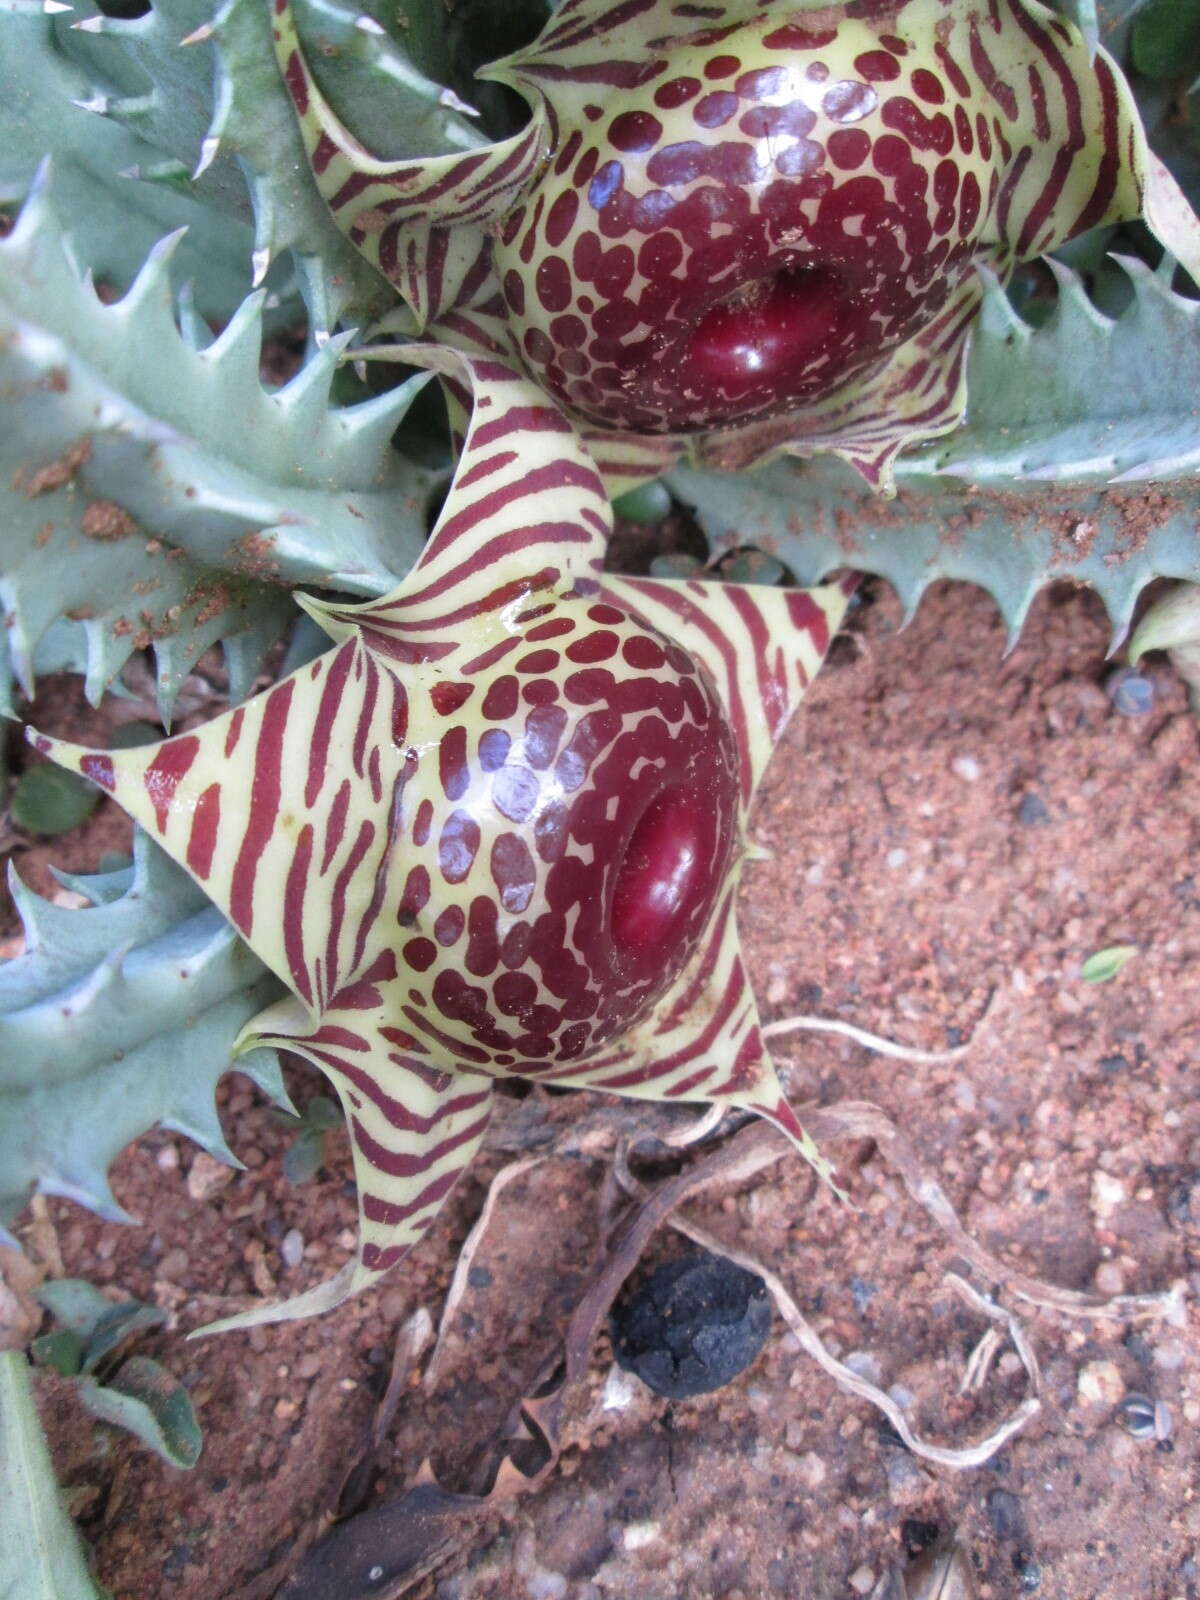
{"x": 1006, "y": 1514}
{"x": 1032, "y": 813}
{"x": 692, "y": 1325}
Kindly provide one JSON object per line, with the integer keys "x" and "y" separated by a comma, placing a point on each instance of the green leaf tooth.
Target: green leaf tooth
{"x": 149, "y": 300}
{"x": 337, "y": 503}
{"x": 87, "y": 1187}
{"x": 244, "y": 654}
{"x": 36, "y": 914}
{"x": 195, "y": 1117}
{"x": 193, "y": 329}
{"x": 186, "y": 985}
{"x": 262, "y": 1066}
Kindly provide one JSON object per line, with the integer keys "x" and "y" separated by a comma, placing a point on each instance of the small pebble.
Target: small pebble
{"x": 897, "y": 857}
{"x": 862, "y": 1580}
{"x": 811, "y": 1470}
{"x": 1100, "y": 1383}
{"x": 1109, "y": 1278}
{"x": 966, "y": 768}
{"x": 174, "y": 1264}
{"x": 638, "y": 1535}
{"x": 1131, "y": 694}
{"x": 291, "y": 1247}
{"x": 1029, "y": 1575}
{"x": 206, "y": 1176}
{"x": 865, "y": 1365}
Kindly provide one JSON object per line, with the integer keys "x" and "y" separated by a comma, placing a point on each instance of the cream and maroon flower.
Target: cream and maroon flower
{"x": 497, "y": 829}
{"x": 752, "y": 225}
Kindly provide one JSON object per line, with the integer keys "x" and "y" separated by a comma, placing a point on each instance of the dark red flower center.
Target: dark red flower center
{"x": 767, "y": 332}
{"x": 667, "y": 870}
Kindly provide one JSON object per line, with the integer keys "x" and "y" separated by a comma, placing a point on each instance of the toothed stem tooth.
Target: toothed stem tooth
{"x": 260, "y": 263}
{"x": 209, "y": 149}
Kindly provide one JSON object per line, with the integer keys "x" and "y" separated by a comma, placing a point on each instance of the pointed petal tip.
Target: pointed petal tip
{"x": 313, "y": 1302}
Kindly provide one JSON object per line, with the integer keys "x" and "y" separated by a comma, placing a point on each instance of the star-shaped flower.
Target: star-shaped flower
{"x": 751, "y": 226}
{"x": 497, "y": 829}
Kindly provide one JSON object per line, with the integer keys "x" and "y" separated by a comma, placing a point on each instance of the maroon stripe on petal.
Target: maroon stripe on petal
{"x": 366, "y": 712}
{"x": 293, "y": 913}
{"x": 335, "y": 827}
{"x": 327, "y": 711}
{"x": 202, "y": 840}
{"x": 1105, "y": 186}
{"x": 407, "y": 1163}
{"x": 162, "y": 777}
{"x": 337, "y": 898}
{"x": 387, "y": 1212}
{"x": 264, "y": 804}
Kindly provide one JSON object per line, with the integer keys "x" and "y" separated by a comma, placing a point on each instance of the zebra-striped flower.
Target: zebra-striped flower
{"x": 752, "y": 225}
{"x": 497, "y": 829}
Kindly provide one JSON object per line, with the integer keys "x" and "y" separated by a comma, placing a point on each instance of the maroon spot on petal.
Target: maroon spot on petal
{"x": 514, "y": 292}
{"x": 538, "y": 661}
{"x": 643, "y": 653}
{"x": 586, "y": 687}
{"x": 772, "y": 122}
{"x": 544, "y": 728}
{"x": 890, "y": 155}
{"x": 570, "y": 334}
{"x": 608, "y": 615}
{"x": 677, "y": 164}
{"x": 494, "y": 745}
{"x": 568, "y": 153}
{"x": 553, "y": 283}
{"x": 615, "y": 271}
{"x": 100, "y": 770}
{"x": 593, "y": 647}
{"x": 500, "y": 702}
{"x": 969, "y": 202}
{"x": 420, "y": 954}
{"x": 605, "y": 184}
{"x": 415, "y": 897}
{"x": 757, "y": 85}
{"x": 676, "y": 92}
{"x": 848, "y": 101}
{"x": 906, "y": 118}
{"x": 513, "y": 872}
{"x": 794, "y": 36}
{"x": 877, "y": 66}
{"x": 447, "y": 697}
{"x": 660, "y": 255}
{"x": 422, "y": 821}
{"x": 514, "y": 948}
{"x": 515, "y": 792}
{"x": 515, "y": 992}
{"x": 714, "y": 110}
{"x": 540, "y": 692}
{"x": 927, "y": 86}
{"x": 586, "y": 167}
{"x": 561, "y": 217}
{"x": 553, "y": 628}
{"x": 721, "y": 67}
{"x": 537, "y": 347}
{"x": 449, "y": 925}
{"x": 458, "y": 846}
{"x": 206, "y": 823}
{"x": 550, "y": 831}
{"x": 848, "y": 148}
{"x": 454, "y": 771}
{"x": 483, "y": 944}
{"x": 634, "y": 131}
